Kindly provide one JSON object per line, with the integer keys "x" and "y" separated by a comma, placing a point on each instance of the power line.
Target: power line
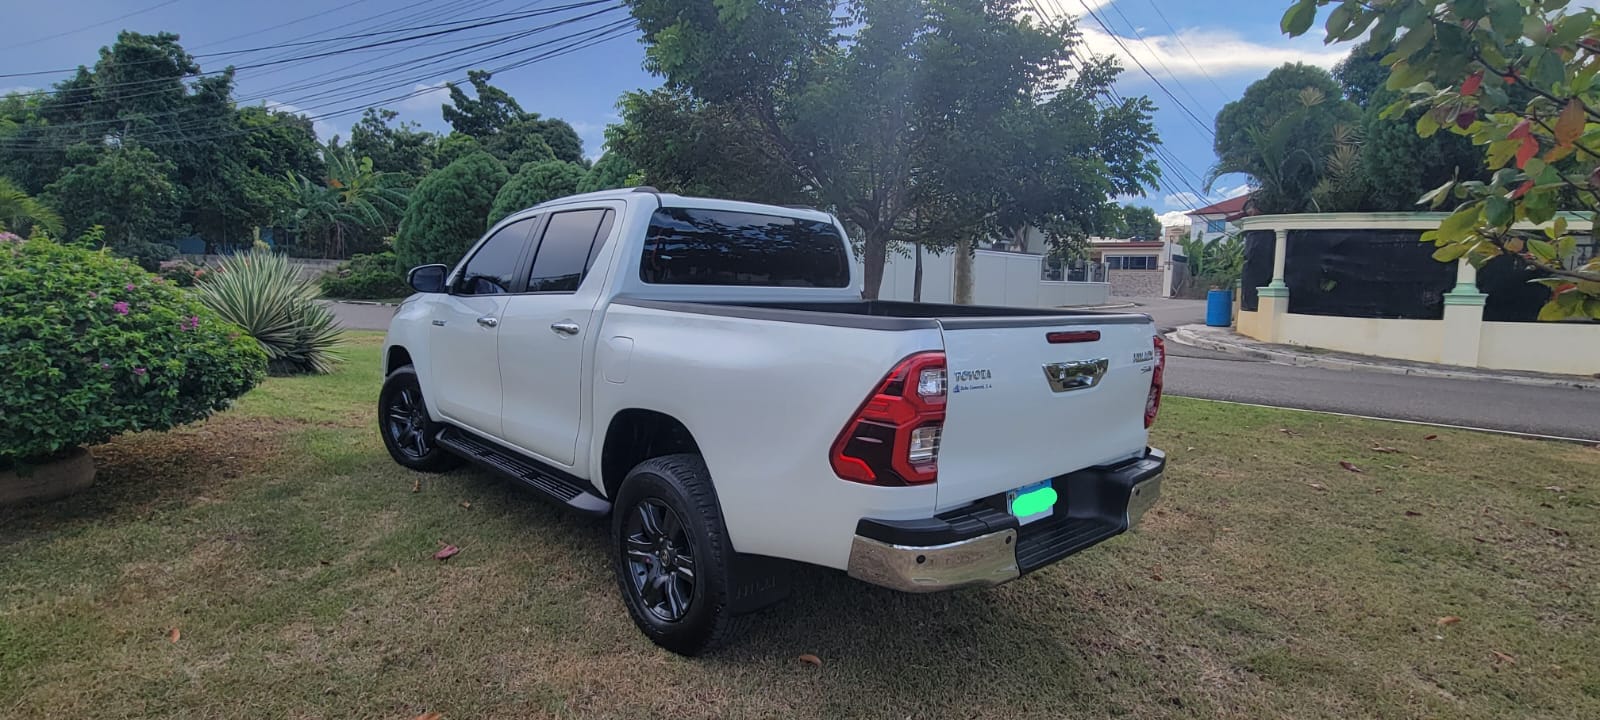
{"x": 1155, "y": 54}
{"x": 1118, "y": 40}
{"x": 91, "y": 26}
{"x": 1179, "y": 37}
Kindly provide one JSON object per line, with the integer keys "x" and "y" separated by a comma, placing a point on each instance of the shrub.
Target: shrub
{"x": 536, "y": 183}
{"x": 264, "y": 294}
{"x": 447, "y": 210}
{"x": 181, "y": 272}
{"x": 366, "y": 277}
{"x": 92, "y": 347}
{"x": 146, "y": 255}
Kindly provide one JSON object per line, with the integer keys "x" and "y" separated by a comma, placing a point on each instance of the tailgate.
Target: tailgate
{"x": 1033, "y": 398}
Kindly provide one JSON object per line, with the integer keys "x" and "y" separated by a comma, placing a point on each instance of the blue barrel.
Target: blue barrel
{"x": 1219, "y": 308}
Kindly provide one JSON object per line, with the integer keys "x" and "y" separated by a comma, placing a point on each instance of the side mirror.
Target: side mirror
{"x": 427, "y": 278}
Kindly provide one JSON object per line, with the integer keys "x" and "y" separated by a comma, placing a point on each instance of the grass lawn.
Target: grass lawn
{"x": 272, "y": 562}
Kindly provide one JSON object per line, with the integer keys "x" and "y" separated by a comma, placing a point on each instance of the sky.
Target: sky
{"x": 1199, "y": 55}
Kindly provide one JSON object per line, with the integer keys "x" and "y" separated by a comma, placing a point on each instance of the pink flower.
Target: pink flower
{"x": 129, "y": 286}
{"x": 190, "y": 323}
{"x": 120, "y": 307}
{"x": 138, "y": 371}
{"x": 105, "y": 366}
{"x": 93, "y": 294}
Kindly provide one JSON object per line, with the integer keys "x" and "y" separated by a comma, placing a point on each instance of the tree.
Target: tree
{"x": 492, "y": 117}
{"x": 533, "y": 184}
{"x": 1516, "y": 76}
{"x": 354, "y": 199}
{"x": 20, "y": 212}
{"x": 130, "y": 192}
{"x": 612, "y": 170}
{"x": 1286, "y": 132}
{"x": 1130, "y": 221}
{"x": 906, "y": 120}
{"x": 447, "y": 210}
{"x": 394, "y": 147}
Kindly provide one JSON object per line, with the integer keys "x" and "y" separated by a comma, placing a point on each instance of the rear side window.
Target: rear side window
{"x": 688, "y": 246}
{"x": 569, "y": 243}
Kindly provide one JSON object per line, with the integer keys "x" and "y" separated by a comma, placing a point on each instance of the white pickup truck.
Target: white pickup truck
{"x": 706, "y": 373}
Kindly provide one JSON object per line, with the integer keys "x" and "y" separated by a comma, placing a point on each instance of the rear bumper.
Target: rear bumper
{"x": 983, "y": 545}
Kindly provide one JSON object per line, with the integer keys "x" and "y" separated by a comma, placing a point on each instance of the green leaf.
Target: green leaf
{"x": 1497, "y": 210}
{"x": 1338, "y": 23}
{"x": 1460, "y": 224}
{"x": 1414, "y": 41}
{"x": 1436, "y": 197}
{"x": 1566, "y": 244}
{"x": 1469, "y": 9}
{"x": 1297, "y": 20}
{"x": 1539, "y": 206}
{"x": 1427, "y": 126}
{"x": 1505, "y": 16}
{"x": 1452, "y": 252}
{"x": 1552, "y": 311}
{"x": 1543, "y": 250}
{"x": 1534, "y": 167}
{"x": 1395, "y": 109}
{"x": 1403, "y": 75}
{"x": 1500, "y": 152}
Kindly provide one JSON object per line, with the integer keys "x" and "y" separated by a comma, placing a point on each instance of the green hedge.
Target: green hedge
{"x": 366, "y": 277}
{"x": 92, "y": 346}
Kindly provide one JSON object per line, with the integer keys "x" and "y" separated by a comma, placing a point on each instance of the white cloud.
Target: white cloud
{"x": 426, "y": 97}
{"x": 1174, "y": 217}
{"x": 1184, "y": 200}
{"x": 322, "y": 128}
{"x": 1233, "y": 192}
{"x": 1193, "y": 52}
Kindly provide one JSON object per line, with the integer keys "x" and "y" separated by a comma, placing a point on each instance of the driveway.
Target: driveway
{"x": 361, "y": 316}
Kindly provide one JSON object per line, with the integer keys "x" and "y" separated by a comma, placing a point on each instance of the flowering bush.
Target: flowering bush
{"x": 182, "y": 272}
{"x": 91, "y": 346}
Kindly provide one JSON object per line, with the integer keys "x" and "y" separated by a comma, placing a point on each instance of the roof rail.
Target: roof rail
{"x": 646, "y": 188}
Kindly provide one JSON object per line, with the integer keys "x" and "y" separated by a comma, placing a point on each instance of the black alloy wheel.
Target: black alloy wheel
{"x": 660, "y": 559}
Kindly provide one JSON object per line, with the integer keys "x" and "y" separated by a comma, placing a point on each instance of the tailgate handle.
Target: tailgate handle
{"x": 1076, "y": 375}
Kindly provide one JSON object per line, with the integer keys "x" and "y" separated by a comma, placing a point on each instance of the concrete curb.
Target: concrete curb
{"x": 359, "y": 302}
{"x": 1187, "y": 336}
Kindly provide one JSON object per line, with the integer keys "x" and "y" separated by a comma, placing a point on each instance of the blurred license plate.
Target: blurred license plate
{"x": 1031, "y": 502}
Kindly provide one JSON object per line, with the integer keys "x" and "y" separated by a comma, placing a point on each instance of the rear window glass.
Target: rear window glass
{"x": 719, "y": 247}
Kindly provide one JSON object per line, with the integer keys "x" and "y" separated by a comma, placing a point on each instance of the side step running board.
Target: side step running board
{"x": 547, "y": 481}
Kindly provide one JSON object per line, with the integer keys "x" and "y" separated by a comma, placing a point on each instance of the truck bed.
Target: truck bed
{"x": 892, "y": 315}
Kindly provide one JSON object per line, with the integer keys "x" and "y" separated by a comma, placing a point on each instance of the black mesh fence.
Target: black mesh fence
{"x": 1257, "y": 266}
{"x": 1366, "y": 273}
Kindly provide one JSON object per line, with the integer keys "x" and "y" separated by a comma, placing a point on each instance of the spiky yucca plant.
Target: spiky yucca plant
{"x": 262, "y": 293}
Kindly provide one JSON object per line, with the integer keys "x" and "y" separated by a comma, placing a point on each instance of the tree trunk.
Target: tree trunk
{"x": 874, "y": 252}
{"x": 916, "y": 285}
{"x": 964, "y": 271}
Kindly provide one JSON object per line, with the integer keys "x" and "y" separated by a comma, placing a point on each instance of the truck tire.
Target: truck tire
{"x": 672, "y": 555}
{"x": 407, "y": 430}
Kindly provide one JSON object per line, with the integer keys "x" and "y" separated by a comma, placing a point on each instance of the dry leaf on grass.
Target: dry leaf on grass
{"x": 416, "y": 485}
{"x": 1504, "y": 657}
{"x": 1555, "y": 488}
{"x": 173, "y": 635}
{"x": 1288, "y": 432}
{"x": 810, "y": 659}
{"x": 1318, "y": 486}
{"x": 1382, "y": 449}
{"x": 447, "y": 552}
{"x": 466, "y": 504}
{"x": 1449, "y": 620}
{"x": 1413, "y": 513}
{"x": 1431, "y": 437}
{"x": 430, "y": 715}
{"x": 1157, "y": 577}
{"x": 1346, "y": 464}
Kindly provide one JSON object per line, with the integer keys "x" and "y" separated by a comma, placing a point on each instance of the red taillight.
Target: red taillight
{"x": 1152, "y": 405}
{"x": 893, "y": 439}
{"x": 1074, "y": 336}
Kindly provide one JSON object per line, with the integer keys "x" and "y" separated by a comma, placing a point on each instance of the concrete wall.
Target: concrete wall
{"x": 998, "y": 278}
{"x": 1143, "y": 283}
{"x": 309, "y": 268}
{"x": 1402, "y": 339}
{"x": 1544, "y": 347}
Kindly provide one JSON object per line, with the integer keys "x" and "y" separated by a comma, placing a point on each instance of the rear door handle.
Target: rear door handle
{"x": 565, "y": 328}
{"x": 488, "y": 322}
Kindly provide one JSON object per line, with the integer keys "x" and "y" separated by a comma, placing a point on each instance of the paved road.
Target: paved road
{"x": 362, "y": 317}
{"x": 1499, "y": 406}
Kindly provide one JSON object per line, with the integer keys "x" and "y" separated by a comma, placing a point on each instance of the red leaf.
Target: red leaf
{"x": 810, "y": 659}
{"x": 1346, "y": 464}
{"x": 1522, "y": 130}
{"x": 1526, "y": 151}
{"x": 1431, "y": 437}
{"x": 1472, "y": 82}
{"x": 447, "y": 552}
{"x": 174, "y": 635}
{"x": 1449, "y": 620}
{"x": 1522, "y": 190}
